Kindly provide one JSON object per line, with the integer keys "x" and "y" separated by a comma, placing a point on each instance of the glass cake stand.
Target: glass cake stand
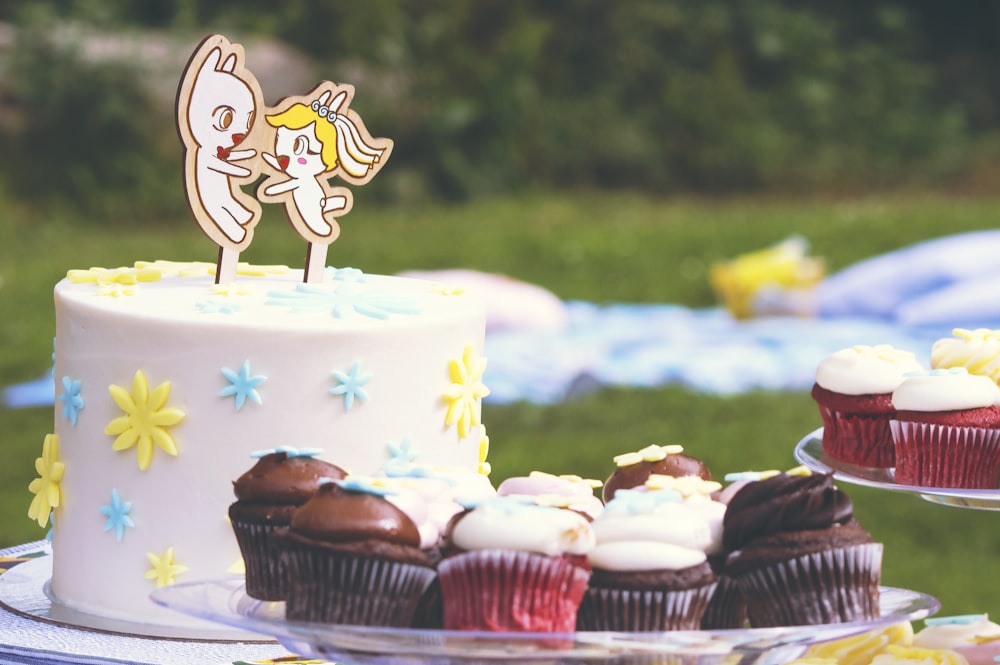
{"x": 809, "y": 452}
{"x": 225, "y": 601}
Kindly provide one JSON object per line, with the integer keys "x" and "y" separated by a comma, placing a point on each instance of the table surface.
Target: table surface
{"x": 26, "y": 639}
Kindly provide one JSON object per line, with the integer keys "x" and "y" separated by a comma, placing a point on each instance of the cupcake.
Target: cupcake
{"x": 726, "y": 608}
{"x": 977, "y": 350}
{"x": 572, "y": 492}
{"x": 853, "y": 391}
{"x": 354, "y": 557}
{"x": 632, "y": 469}
{"x": 266, "y": 495}
{"x": 512, "y": 565}
{"x": 649, "y": 567}
{"x": 947, "y": 430}
{"x": 797, "y": 553}
{"x": 973, "y": 636}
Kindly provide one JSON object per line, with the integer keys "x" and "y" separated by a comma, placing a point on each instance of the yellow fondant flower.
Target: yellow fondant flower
{"x": 163, "y": 568}
{"x": 145, "y": 421}
{"x": 484, "y": 450}
{"x": 465, "y": 391}
{"x": 47, "y": 486}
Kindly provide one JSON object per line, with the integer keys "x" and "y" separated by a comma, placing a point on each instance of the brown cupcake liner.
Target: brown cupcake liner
{"x": 266, "y": 577}
{"x": 334, "y": 587}
{"x": 726, "y": 608}
{"x": 643, "y": 609}
{"x": 931, "y": 455}
{"x": 833, "y": 586}
{"x": 499, "y": 590}
{"x": 859, "y": 439}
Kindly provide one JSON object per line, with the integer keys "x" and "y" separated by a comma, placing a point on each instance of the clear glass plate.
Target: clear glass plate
{"x": 226, "y": 602}
{"x": 809, "y": 452}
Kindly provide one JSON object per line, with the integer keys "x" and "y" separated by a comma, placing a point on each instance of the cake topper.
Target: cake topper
{"x": 217, "y": 102}
{"x": 305, "y": 141}
{"x": 317, "y": 137}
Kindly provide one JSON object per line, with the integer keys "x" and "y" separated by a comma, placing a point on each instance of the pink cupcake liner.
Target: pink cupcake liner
{"x": 643, "y": 610}
{"x": 834, "y": 586}
{"x": 333, "y": 587}
{"x": 499, "y": 590}
{"x": 266, "y": 577}
{"x": 931, "y": 455}
{"x": 862, "y": 440}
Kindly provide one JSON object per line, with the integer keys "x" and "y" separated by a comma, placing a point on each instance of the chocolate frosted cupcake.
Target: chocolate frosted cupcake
{"x": 798, "y": 555}
{"x": 353, "y": 557}
{"x": 633, "y": 469}
{"x": 267, "y": 494}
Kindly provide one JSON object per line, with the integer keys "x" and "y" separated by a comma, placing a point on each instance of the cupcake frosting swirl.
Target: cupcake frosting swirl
{"x": 653, "y": 530}
{"x": 784, "y": 503}
{"x": 977, "y": 350}
{"x": 952, "y": 389}
{"x": 509, "y": 523}
{"x": 865, "y": 370}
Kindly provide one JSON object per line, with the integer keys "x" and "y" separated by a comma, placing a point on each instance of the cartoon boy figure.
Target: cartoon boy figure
{"x": 217, "y": 103}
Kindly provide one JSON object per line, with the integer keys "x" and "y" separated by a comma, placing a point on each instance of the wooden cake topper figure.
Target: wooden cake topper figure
{"x": 217, "y": 102}
{"x": 317, "y": 137}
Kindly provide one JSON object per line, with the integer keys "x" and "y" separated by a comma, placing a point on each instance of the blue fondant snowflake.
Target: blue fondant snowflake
{"x": 71, "y": 399}
{"x": 346, "y": 274}
{"x": 350, "y": 384}
{"x": 242, "y": 386}
{"x": 217, "y": 307}
{"x": 401, "y": 455}
{"x": 637, "y": 501}
{"x": 118, "y": 514}
{"x": 363, "y": 485}
{"x": 343, "y": 300}
{"x": 290, "y": 451}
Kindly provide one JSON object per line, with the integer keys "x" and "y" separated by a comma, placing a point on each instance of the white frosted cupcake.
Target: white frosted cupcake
{"x": 650, "y": 569}
{"x": 853, "y": 391}
{"x": 512, "y": 565}
{"x": 571, "y": 492}
{"x": 947, "y": 430}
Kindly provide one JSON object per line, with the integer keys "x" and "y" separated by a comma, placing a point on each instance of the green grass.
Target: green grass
{"x": 595, "y": 247}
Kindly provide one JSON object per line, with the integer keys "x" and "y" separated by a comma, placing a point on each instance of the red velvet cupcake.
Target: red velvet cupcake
{"x": 511, "y": 565}
{"x": 947, "y": 430}
{"x": 853, "y": 390}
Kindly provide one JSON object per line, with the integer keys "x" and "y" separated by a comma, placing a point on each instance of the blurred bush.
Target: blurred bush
{"x": 496, "y": 96}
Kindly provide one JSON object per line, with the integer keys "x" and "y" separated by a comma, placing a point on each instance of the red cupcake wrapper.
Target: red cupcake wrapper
{"x": 643, "y": 610}
{"x": 929, "y": 455}
{"x": 499, "y": 590}
{"x": 859, "y": 439}
{"x": 834, "y": 586}
{"x": 266, "y": 577}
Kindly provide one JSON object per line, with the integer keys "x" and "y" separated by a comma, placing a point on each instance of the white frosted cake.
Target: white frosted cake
{"x": 166, "y": 383}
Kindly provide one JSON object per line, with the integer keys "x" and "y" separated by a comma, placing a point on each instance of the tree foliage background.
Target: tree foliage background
{"x": 497, "y": 97}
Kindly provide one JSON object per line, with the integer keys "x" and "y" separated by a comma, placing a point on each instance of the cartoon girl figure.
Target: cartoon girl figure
{"x": 313, "y": 142}
{"x": 216, "y": 106}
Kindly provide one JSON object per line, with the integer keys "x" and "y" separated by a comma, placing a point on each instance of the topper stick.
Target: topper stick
{"x": 315, "y": 262}
{"x": 225, "y": 266}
